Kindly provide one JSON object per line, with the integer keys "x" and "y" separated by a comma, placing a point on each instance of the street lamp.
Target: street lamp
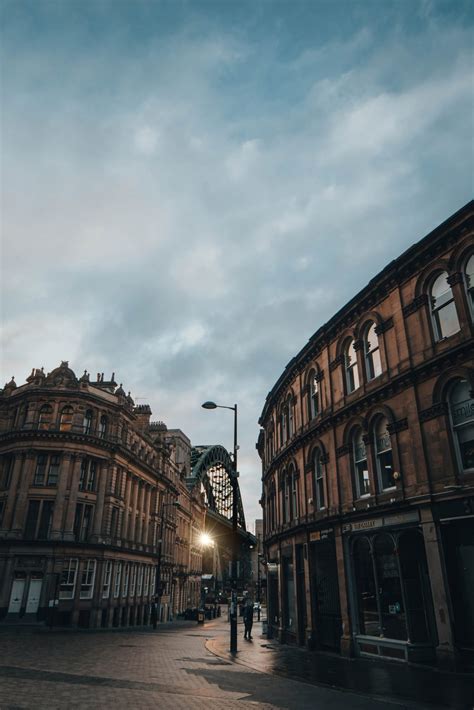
{"x": 159, "y": 590}
{"x": 233, "y": 604}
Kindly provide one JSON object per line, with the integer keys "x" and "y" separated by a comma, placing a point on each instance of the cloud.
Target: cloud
{"x": 187, "y": 197}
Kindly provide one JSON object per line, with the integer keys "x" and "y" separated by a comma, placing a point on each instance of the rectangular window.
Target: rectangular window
{"x": 68, "y": 579}
{"x": 146, "y": 581}
{"x": 45, "y": 520}
{"x": 152, "y": 582}
{"x": 107, "y": 578}
{"x": 40, "y": 472}
{"x": 117, "y": 578}
{"x": 6, "y": 474}
{"x": 32, "y": 519}
{"x": 87, "y": 579}
{"x": 133, "y": 580}
{"x": 87, "y": 475}
{"x": 53, "y": 472}
{"x": 140, "y": 581}
{"x": 82, "y": 521}
{"x": 113, "y": 522}
{"x": 126, "y": 577}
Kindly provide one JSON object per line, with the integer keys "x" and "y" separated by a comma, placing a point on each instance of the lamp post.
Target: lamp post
{"x": 233, "y": 604}
{"x": 158, "y": 590}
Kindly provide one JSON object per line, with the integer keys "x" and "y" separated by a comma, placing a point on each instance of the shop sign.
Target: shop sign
{"x": 272, "y": 567}
{"x": 395, "y": 519}
{"x": 321, "y": 535}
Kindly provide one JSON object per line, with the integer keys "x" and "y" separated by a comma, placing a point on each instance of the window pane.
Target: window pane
{"x": 65, "y": 423}
{"x": 40, "y": 470}
{"x": 53, "y": 473}
{"x": 466, "y": 446}
{"x": 366, "y": 590}
{"x": 390, "y": 590}
{"x": 448, "y": 320}
{"x": 32, "y": 519}
{"x": 45, "y": 521}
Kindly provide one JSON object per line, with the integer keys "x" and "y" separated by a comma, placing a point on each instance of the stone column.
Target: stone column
{"x": 445, "y": 650}
{"x": 14, "y": 484}
{"x": 71, "y": 506}
{"x": 67, "y": 462}
{"x": 104, "y": 473}
{"x": 20, "y": 508}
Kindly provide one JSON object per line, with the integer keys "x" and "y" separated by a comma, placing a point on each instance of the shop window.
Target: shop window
{"x": 319, "y": 480}
{"x": 117, "y": 579}
{"x": 416, "y": 585}
{"x": 443, "y": 308}
{"x": 461, "y": 407}
{"x": 392, "y": 612}
{"x": 368, "y": 617}
{"x": 45, "y": 416}
{"x": 107, "y": 579}
{"x": 350, "y": 367}
{"x": 83, "y": 521}
{"x": 87, "y": 476}
{"x": 68, "y": 579}
{"x": 87, "y": 421}
{"x": 469, "y": 282}
{"x": 373, "y": 365}
{"x": 87, "y": 579}
{"x": 65, "y": 420}
{"x": 383, "y": 455}
{"x": 361, "y": 471}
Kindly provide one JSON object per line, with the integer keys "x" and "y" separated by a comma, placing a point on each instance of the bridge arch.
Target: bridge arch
{"x": 212, "y": 468}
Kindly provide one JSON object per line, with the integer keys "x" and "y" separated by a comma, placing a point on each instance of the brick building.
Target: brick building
{"x": 367, "y": 447}
{"x": 92, "y": 497}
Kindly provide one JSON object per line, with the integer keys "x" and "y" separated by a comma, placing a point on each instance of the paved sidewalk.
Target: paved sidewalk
{"x": 394, "y": 681}
{"x": 169, "y": 669}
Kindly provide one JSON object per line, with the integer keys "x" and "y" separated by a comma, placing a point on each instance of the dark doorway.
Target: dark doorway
{"x": 458, "y": 538}
{"x": 325, "y": 592}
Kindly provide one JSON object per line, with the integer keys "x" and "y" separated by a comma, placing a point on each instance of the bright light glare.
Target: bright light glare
{"x": 206, "y": 540}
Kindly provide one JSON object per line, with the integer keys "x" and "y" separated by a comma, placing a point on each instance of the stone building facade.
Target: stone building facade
{"x": 92, "y": 503}
{"x": 367, "y": 448}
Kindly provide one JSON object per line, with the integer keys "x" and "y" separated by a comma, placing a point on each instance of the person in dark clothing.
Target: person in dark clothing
{"x": 248, "y": 620}
{"x": 154, "y": 614}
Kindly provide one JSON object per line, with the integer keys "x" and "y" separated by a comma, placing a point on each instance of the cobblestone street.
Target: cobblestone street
{"x": 169, "y": 668}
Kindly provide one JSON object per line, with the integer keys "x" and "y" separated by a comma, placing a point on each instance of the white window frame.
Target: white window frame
{"x": 146, "y": 581}
{"x": 117, "y": 579}
{"x": 370, "y": 369}
{"x": 126, "y": 579}
{"x": 140, "y": 581}
{"x": 71, "y": 575}
{"x": 356, "y": 470}
{"x": 378, "y": 452}
{"x": 133, "y": 579}
{"x": 434, "y": 310}
{"x": 351, "y": 372}
{"x": 87, "y": 579}
{"x": 107, "y": 579}
{"x": 319, "y": 480}
{"x": 455, "y": 428}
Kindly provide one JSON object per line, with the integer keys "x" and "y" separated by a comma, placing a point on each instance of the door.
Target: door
{"x": 16, "y": 596}
{"x": 328, "y": 622}
{"x": 34, "y": 593}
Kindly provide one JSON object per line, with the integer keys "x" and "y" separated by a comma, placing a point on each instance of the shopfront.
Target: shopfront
{"x": 456, "y": 520}
{"x": 391, "y": 603}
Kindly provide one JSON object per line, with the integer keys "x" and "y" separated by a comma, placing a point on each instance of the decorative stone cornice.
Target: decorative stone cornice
{"x": 319, "y": 376}
{"x": 339, "y": 360}
{"x": 415, "y": 305}
{"x": 358, "y": 344}
{"x": 437, "y": 410}
{"x": 397, "y": 426}
{"x": 384, "y": 326}
{"x": 456, "y": 278}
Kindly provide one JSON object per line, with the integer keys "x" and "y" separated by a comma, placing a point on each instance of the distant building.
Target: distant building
{"x": 91, "y": 493}
{"x": 367, "y": 448}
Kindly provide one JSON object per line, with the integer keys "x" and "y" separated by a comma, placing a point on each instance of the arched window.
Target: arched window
{"x": 103, "y": 426}
{"x": 383, "y": 455}
{"x": 469, "y": 281}
{"x": 87, "y": 421}
{"x": 461, "y": 407}
{"x": 319, "y": 480}
{"x": 443, "y": 309}
{"x": 289, "y": 409}
{"x": 283, "y": 427}
{"x": 45, "y": 415}
{"x": 65, "y": 421}
{"x": 294, "y": 494}
{"x": 313, "y": 395}
{"x": 373, "y": 366}
{"x": 361, "y": 471}
{"x": 350, "y": 367}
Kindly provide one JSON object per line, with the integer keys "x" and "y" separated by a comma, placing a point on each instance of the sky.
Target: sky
{"x": 190, "y": 189}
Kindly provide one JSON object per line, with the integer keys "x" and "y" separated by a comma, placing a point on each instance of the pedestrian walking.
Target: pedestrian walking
{"x": 154, "y": 614}
{"x": 248, "y": 620}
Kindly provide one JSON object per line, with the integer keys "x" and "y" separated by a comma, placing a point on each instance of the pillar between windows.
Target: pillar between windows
{"x": 67, "y": 462}
{"x": 71, "y": 506}
{"x": 20, "y": 508}
{"x": 10, "y": 506}
{"x": 105, "y": 471}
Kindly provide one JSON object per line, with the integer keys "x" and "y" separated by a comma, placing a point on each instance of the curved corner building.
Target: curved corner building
{"x": 367, "y": 448}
